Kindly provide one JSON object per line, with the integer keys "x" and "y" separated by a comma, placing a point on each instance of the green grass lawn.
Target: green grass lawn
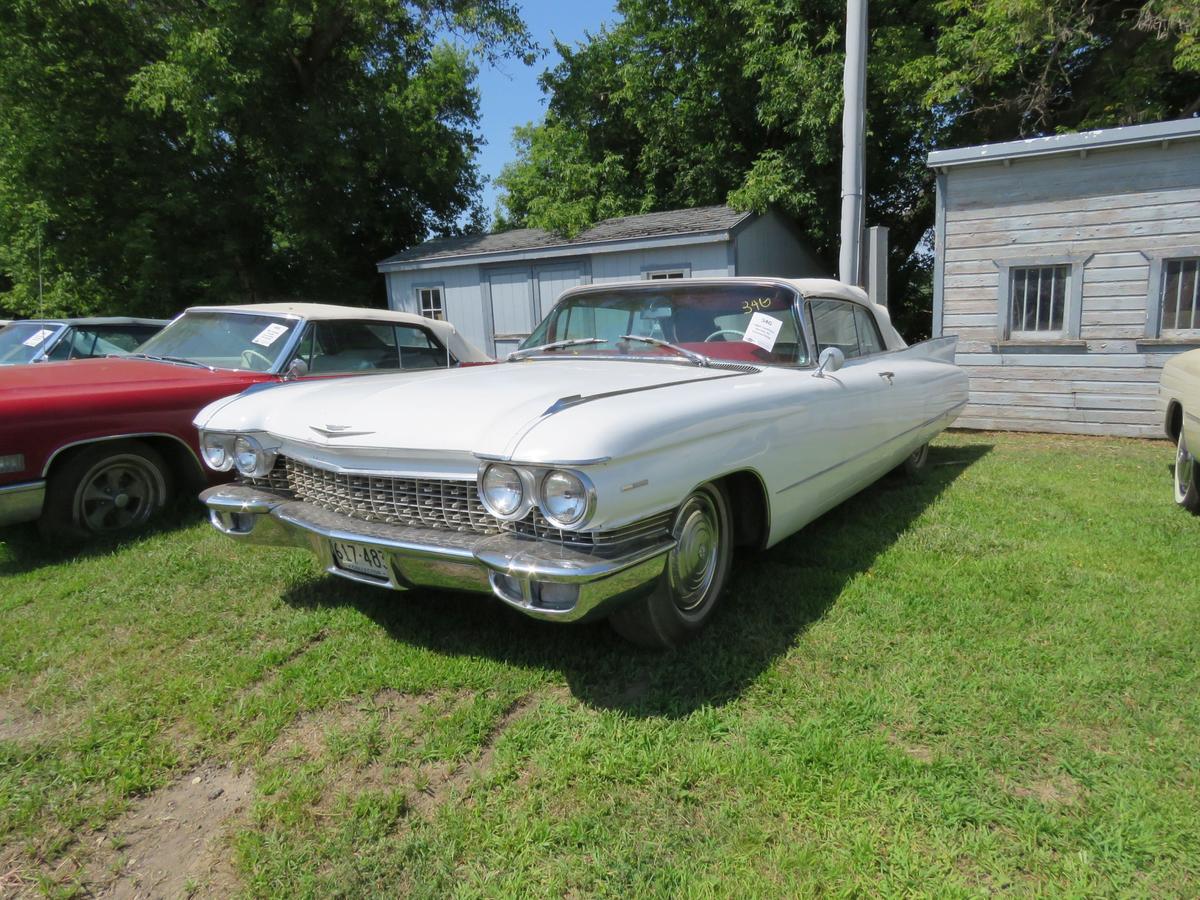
{"x": 986, "y": 682}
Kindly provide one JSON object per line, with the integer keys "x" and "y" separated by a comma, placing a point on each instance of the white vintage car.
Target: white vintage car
{"x": 609, "y": 466}
{"x": 1179, "y": 406}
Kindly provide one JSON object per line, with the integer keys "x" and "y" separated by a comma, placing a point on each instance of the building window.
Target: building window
{"x": 430, "y": 300}
{"x": 661, "y": 274}
{"x": 1179, "y": 296}
{"x": 1038, "y": 299}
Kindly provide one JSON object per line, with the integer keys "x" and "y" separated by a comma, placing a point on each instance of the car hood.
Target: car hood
{"x": 485, "y": 409}
{"x": 116, "y": 374}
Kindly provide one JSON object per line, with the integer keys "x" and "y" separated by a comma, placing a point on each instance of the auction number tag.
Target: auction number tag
{"x": 763, "y": 331}
{"x": 269, "y": 335}
{"x": 37, "y": 337}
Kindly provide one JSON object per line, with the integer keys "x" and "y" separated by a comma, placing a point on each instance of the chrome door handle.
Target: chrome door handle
{"x": 890, "y": 376}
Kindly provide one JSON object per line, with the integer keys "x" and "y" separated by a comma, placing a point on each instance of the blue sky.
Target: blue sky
{"x": 509, "y": 92}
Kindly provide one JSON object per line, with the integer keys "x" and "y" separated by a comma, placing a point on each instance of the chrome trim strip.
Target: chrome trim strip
{"x": 22, "y": 502}
{"x": 120, "y": 437}
{"x": 890, "y": 440}
{"x": 549, "y": 464}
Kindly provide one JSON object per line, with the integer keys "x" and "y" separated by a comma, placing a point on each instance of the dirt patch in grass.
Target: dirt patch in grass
{"x": 1055, "y": 790}
{"x": 171, "y": 843}
{"x": 919, "y": 752}
{"x": 18, "y": 723}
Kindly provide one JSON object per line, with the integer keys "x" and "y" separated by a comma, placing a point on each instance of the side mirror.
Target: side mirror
{"x": 830, "y": 360}
{"x": 297, "y": 368}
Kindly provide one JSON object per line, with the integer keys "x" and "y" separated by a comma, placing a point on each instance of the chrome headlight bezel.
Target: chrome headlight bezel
{"x": 587, "y": 492}
{"x": 524, "y": 503}
{"x": 261, "y": 460}
{"x": 212, "y": 442}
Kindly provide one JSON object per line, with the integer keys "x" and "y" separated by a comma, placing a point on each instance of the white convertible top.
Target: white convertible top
{"x": 462, "y": 349}
{"x": 808, "y": 287}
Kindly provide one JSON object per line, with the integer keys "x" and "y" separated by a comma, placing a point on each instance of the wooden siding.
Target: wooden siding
{"x": 1109, "y": 213}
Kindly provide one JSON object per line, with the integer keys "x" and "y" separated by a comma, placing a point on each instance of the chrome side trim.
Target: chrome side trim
{"x": 120, "y": 437}
{"x": 21, "y": 502}
{"x": 551, "y": 464}
{"x": 891, "y": 440}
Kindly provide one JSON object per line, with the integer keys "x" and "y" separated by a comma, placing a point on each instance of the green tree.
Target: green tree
{"x": 687, "y": 102}
{"x": 155, "y": 154}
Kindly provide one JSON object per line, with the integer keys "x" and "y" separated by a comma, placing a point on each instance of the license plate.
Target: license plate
{"x": 360, "y": 559}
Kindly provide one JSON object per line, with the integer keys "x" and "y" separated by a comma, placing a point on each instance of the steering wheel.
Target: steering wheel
{"x": 249, "y": 355}
{"x": 720, "y": 331}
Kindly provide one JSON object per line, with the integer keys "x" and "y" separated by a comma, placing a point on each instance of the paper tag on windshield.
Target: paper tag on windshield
{"x": 763, "y": 331}
{"x": 269, "y": 335}
{"x": 37, "y": 337}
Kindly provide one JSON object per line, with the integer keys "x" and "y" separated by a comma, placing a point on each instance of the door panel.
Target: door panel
{"x": 552, "y": 282}
{"x": 512, "y": 307}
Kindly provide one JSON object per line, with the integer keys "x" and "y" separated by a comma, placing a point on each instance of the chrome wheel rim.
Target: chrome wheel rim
{"x": 692, "y": 565}
{"x": 1185, "y": 469}
{"x": 118, "y": 493}
{"x": 917, "y": 458}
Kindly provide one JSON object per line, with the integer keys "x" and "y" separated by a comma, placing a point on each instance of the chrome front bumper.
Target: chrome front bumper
{"x": 539, "y": 578}
{"x": 21, "y": 502}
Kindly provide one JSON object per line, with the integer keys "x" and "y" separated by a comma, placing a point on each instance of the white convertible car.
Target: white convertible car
{"x": 609, "y": 466}
{"x": 1179, "y": 406}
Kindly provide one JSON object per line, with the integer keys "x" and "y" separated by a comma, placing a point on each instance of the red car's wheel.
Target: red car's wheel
{"x": 108, "y": 488}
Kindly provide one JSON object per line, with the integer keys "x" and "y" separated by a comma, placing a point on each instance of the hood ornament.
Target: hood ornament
{"x": 337, "y": 431}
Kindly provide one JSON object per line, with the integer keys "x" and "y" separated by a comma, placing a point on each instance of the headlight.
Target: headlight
{"x": 564, "y": 498}
{"x": 218, "y": 451}
{"x": 502, "y": 491}
{"x": 250, "y": 457}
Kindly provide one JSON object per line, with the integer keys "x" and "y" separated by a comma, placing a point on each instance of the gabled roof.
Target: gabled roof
{"x": 1104, "y": 138}
{"x": 661, "y": 226}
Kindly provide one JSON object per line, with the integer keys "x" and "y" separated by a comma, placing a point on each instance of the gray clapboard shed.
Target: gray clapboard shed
{"x": 495, "y": 288}
{"x": 1067, "y": 266}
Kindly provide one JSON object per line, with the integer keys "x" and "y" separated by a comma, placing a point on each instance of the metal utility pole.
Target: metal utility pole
{"x": 854, "y": 115}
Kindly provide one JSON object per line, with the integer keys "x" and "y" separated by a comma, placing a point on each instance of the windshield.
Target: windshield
{"x": 20, "y": 342}
{"x": 223, "y": 340}
{"x": 742, "y": 322}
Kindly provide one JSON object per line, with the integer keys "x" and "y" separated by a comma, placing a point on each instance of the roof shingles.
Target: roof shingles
{"x": 701, "y": 220}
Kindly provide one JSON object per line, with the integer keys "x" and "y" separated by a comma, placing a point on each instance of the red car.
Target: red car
{"x": 98, "y": 446}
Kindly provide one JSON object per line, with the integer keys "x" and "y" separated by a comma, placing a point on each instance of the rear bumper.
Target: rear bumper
{"x": 21, "y": 502}
{"x": 541, "y": 579}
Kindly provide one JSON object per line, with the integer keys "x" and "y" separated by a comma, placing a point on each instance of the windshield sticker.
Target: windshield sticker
{"x": 763, "y": 331}
{"x": 757, "y": 304}
{"x": 269, "y": 335}
{"x": 37, "y": 337}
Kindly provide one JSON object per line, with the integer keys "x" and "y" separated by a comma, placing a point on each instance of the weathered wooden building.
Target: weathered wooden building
{"x": 496, "y": 287}
{"x": 1067, "y": 266}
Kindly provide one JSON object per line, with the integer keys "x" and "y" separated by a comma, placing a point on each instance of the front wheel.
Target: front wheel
{"x": 109, "y": 488}
{"x": 694, "y": 576}
{"x": 915, "y": 463}
{"x": 1187, "y": 476}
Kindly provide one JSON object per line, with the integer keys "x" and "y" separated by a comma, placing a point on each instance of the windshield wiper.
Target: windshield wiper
{"x": 169, "y": 359}
{"x": 698, "y": 358}
{"x": 553, "y": 345}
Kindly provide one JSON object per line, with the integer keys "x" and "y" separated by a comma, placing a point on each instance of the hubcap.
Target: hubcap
{"x": 117, "y": 494}
{"x": 1185, "y": 467}
{"x": 693, "y": 562}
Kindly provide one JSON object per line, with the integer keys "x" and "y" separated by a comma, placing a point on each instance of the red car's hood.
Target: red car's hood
{"x": 98, "y": 375}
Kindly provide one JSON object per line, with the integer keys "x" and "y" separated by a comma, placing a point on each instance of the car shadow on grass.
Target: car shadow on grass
{"x": 772, "y": 598}
{"x": 23, "y": 549}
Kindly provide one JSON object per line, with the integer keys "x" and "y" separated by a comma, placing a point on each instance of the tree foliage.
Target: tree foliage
{"x": 688, "y": 102}
{"x": 155, "y": 154}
